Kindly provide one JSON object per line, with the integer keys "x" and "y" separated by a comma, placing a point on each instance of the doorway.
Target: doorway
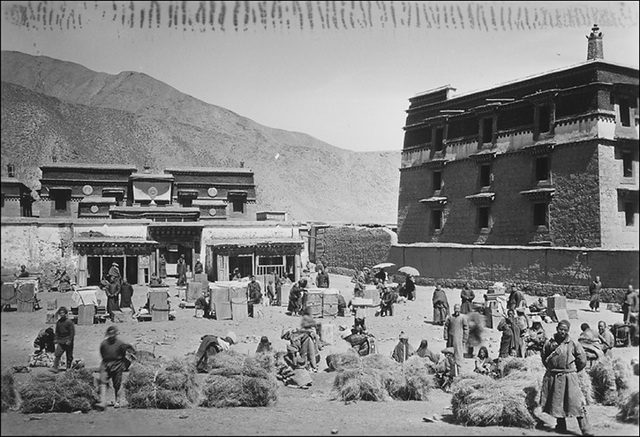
{"x": 243, "y": 262}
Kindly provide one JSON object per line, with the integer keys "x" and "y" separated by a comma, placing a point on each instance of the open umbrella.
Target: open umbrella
{"x": 409, "y": 270}
{"x": 383, "y": 265}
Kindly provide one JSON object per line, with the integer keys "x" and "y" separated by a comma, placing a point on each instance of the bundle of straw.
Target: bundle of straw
{"x": 367, "y": 384}
{"x": 479, "y": 400}
{"x": 628, "y": 407}
{"x": 238, "y": 380}
{"x": 344, "y": 360}
{"x": 8, "y": 391}
{"x": 164, "y": 385}
{"x": 532, "y": 364}
{"x": 610, "y": 377}
{"x": 586, "y": 387}
{"x": 266, "y": 360}
{"x": 65, "y": 392}
{"x": 412, "y": 381}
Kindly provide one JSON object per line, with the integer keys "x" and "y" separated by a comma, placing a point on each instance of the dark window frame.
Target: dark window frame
{"x": 624, "y": 107}
{"x": 438, "y": 139}
{"x": 436, "y": 219}
{"x": 541, "y": 214}
{"x": 627, "y": 164}
{"x": 484, "y": 217}
{"x": 58, "y": 200}
{"x": 237, "y": 203}
{"x": 544, "y": 119}
{"x": 629, "y": 214}
{"x": 437, "y": 180}
{"x": 486, "y": 175}
{"x": 542, "y": 173}
{"x": 487, "y": 134}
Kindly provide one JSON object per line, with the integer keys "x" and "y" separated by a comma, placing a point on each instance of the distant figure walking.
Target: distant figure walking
{"x": 466, "y": 296}
{"x": 181, "y": 270}
{"x": 594, "y": 292}
{"x": 440, "y": 306}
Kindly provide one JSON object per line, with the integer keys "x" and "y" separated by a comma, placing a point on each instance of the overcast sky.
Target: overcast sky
{"x": 341, "y": 71}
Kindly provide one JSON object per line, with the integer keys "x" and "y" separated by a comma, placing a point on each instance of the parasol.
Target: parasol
{"x": 409, "y": 270}
{"x": 383, "y": 265}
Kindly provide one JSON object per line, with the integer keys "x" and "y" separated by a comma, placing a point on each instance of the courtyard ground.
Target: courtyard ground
{"x": 297, "y": 412}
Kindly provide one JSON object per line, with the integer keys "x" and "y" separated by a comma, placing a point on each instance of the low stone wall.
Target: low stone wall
{"x": 547, "y": 270}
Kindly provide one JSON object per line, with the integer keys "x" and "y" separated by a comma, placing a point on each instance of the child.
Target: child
{"x": 113, "y": 352}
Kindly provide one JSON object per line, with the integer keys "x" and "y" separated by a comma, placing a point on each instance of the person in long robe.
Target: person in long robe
{"x": 126, "y": 293}
{"x": 456, "y": 333}
{"x": 114, "y": 362}
{"x": 440, "y": 306}
{"x": 255, "y": 294}
{"x": 113, "y": 297}
{"x": 114, "y": 273}
{"x": 561, "y": 395}
{"x": 410, "y": 288}
{"x": 516, "y": 298}
{"x": 424, "y": 352}
{"x": 294, "y": 299}
{"x": 403, "y": 349}
{"x": 607, "y": 340}
{"x": 466, "y": 296}
{"x": 590, "y": 342}
{"x": 594, "y": 293}
{"x": 198, "y": 268}
{"x": 162, "y": 267}
{"x": 181, "y": 270}
{"x": 511, "y": 341}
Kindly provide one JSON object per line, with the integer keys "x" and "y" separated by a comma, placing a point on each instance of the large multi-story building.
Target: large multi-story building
{"x": 91, "y": 215}
{"x": 549, "y": 160}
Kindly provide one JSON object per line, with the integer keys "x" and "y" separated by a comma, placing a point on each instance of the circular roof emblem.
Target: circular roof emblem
{"x": 212, "y": 192}
{"x": 87, "y": 190}
{"x": 212, "y": 212}
{"x": 94, "y": 209}
{"x": 152, "y": 191}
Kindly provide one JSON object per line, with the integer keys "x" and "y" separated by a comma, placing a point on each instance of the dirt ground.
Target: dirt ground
{"x": 297, "y": 412}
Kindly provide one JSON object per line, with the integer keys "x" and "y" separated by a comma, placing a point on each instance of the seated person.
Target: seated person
{"x": 23, "y": 273}
{"x": 360, "y": 340}
{"x": 202, "y": 303}
{"x": 483, "y": 364}
{"x": 607, "y": 340}
{"x": 590, "y": 343}
{"x": 539, "y": 306}
{"x": 423, "y": 351}
{"x": 155, "y": 281}
{"x": 44, "y": 341}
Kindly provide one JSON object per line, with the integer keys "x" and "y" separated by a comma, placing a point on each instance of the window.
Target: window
{"x": 437, "y": 142}
{"x": 540, "y": 216}
{"x": 11, "y": 170}
{"x": 238, "y": 204}
{"x": 627, "y": 164}
{"x": 187, "y": 202}
{"x": 485, "y": 175}
{"x": 542, "y": 168}
{"x": 436, "y": 219}
{"x": 625, "y": 118}
{"x": 487, "y": 130}
{"x": 437, "y": 180}
{"x": 483, "y": 218}
{"x": 544, "y": 119}
{"x": 60, "y": 202}
{"x": 629, "y": 213}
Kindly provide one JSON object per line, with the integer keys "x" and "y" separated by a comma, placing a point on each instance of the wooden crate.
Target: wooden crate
{"x": 222, "y": 310}
{"x": 239, "y": 309}
{"x": 371, "y": 292}
{"x": 158, "y": 306}
{"x": 328, "y": 333}
{"x": 194, "y": 291}
{"x": 329, "y": 305}
{"x": 85, "y": 314}
{"x": 26, "y": 297}
{"x": 9, "y": 294}
{"x": 314, "y": 304}
{"x": 201, "y": 278}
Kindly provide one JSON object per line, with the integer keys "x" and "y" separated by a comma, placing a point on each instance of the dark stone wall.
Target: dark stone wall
{"x": 415, "y": 184}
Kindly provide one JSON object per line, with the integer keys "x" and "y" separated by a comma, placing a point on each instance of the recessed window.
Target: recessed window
{"x": 487, "y": 130}
{"x": 60, "y": 202}
{"x": 540, "y": 216}
{"x": 627, "y": 164}
{"x": 437, "y": 180}
{"x": 237, "y": 204}
{"x": 437, "y": 142}
{"x": 544, "y": 119}
{"x": 483, "y": 217}
{"x": 11, "y": 170}
{"x": 485, "y": 175}
{"x": 436, "y": 219}
{"x": 630, "y": 213}
{"x": 542, "y": 168}
{"x": 625, "y": 117}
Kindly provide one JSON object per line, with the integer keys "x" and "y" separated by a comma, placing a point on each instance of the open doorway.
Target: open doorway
{"x": 244, "y": 262}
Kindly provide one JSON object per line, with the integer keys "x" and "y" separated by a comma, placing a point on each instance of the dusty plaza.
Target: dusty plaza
{"x": 320, "y": 218}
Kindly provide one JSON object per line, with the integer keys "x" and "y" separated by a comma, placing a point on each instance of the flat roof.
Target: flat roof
{"x": 207, "y": 170}
{"x": 80, "y": 166}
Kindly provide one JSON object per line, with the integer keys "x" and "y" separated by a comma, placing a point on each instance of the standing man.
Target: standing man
{"x": 162, "y": 267}
{"x": 198, "y": 268}
{"x": 561, "y": 395}
{"x": 255, "y": 294}
{"x": 113, "y": 297}
{"x": 65, "y": 333}
{"x": 278, "y": 285}
{"x": 515, "y": 298}
{"x": 181, "y": 270}
{"x": 113, "y": 352}
{"x": 466, "y": 296}
{"x": 511, "y": 343}
{"x": 114, "y": 273}
{"x": 629, "y": 303}
{"x": 594, "y": 292}
{"x": 322, "y": 279}
{"x": 440, "y": 306}
{"x": 126, "y": 293}
{"x": 456, "y": 333}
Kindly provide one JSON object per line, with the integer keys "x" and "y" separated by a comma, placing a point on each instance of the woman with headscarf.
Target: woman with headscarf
{"x": 424, "y": 352}
{"x": 440, "y": 306}
{"x": 466, "y": 296}
{"x": 511, "y": 341}
{"x": 264, "y": 346}
{"x": 535, "y": 338}
{"x": 403, "y": 349}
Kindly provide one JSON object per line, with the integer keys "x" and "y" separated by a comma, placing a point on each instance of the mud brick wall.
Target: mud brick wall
{"x": 351, "y": 247}
{"x": 546, "y": 270}
{"x": 415, "y": 184}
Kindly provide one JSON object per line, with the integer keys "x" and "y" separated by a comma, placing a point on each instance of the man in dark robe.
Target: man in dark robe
{"x": 511, "y": 341}
{"x": 181, "y": 270}
{"x": 424, "y": 352}
{"x": 126, "y": 293}
{"x": 594, "y": 293}
{"x": 211, "y": 345}
{"x": 466, "y": 296}
{"x": 561, "y": 395}
{"x": 295, "y": 294}
{"x": 440, "y": 306}
{"x": 516, "y": 298}
{"x": 198, "y": 268}
{"x": 162, "y": 267}
{"x": 113, "y": 297}
{"x": 114, "y": 362}
{"x": 114, "y": 273}
{"x": 255, "y": 294}
{"x": 322, "y": 279}
{"x": 410, "y": 288}
{"x": 64, "y": 338}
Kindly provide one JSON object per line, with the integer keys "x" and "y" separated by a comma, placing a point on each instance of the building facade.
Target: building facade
{"x": 549, "y": 160}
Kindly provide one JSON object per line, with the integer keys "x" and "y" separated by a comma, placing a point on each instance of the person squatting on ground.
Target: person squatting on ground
{"x": 113, "y": 352}
{"x": 202, "y": 303}
{"x": 606, "y": 337}
{"x": 561, "y": 395}
{"x": 44, "y": 342}
{"x": 456, "y": 333}
{"x": 594, "y": 293}
{"x": 64, "y": 336}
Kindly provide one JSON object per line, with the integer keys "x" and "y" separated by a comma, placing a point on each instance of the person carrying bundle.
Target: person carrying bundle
{"x": 211, "y": 345}
{"x": 114, "y": 362}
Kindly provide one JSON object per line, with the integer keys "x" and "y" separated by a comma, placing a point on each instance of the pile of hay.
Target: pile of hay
{"x": 610, "y": 378}
{"x": 366, "y": 384}
{"x": 412, "y": 381}
{"x": 238, "y": 380}
{"x": 266, "y": 360}
{"x": 479, "y": 400}
{"x": 586, "y": 387}
{"x": 161, "y": 384}
{"x": 344, "y": 360}
{"x": 532, "y": 364}
{"x": 8, "y": 391}
{"x": 628, "y": 407}
{"x": 64, "y": 392}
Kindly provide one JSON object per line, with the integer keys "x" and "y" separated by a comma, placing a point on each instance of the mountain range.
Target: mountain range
{"x": 54, "y": 109}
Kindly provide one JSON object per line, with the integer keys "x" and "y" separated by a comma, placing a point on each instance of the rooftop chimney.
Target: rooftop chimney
{"x": 594, "y": 47}
{"x": 147, "y": 168}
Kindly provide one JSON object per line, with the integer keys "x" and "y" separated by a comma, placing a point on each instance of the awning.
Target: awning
{"x": 259, "y": 247}
{"x": 434, "y": 201}
{"x": 539, "y": 193}
{"x": 59, "y": 188}
{"x": 113, "y": 246}
{"x": 481, "y": 198}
